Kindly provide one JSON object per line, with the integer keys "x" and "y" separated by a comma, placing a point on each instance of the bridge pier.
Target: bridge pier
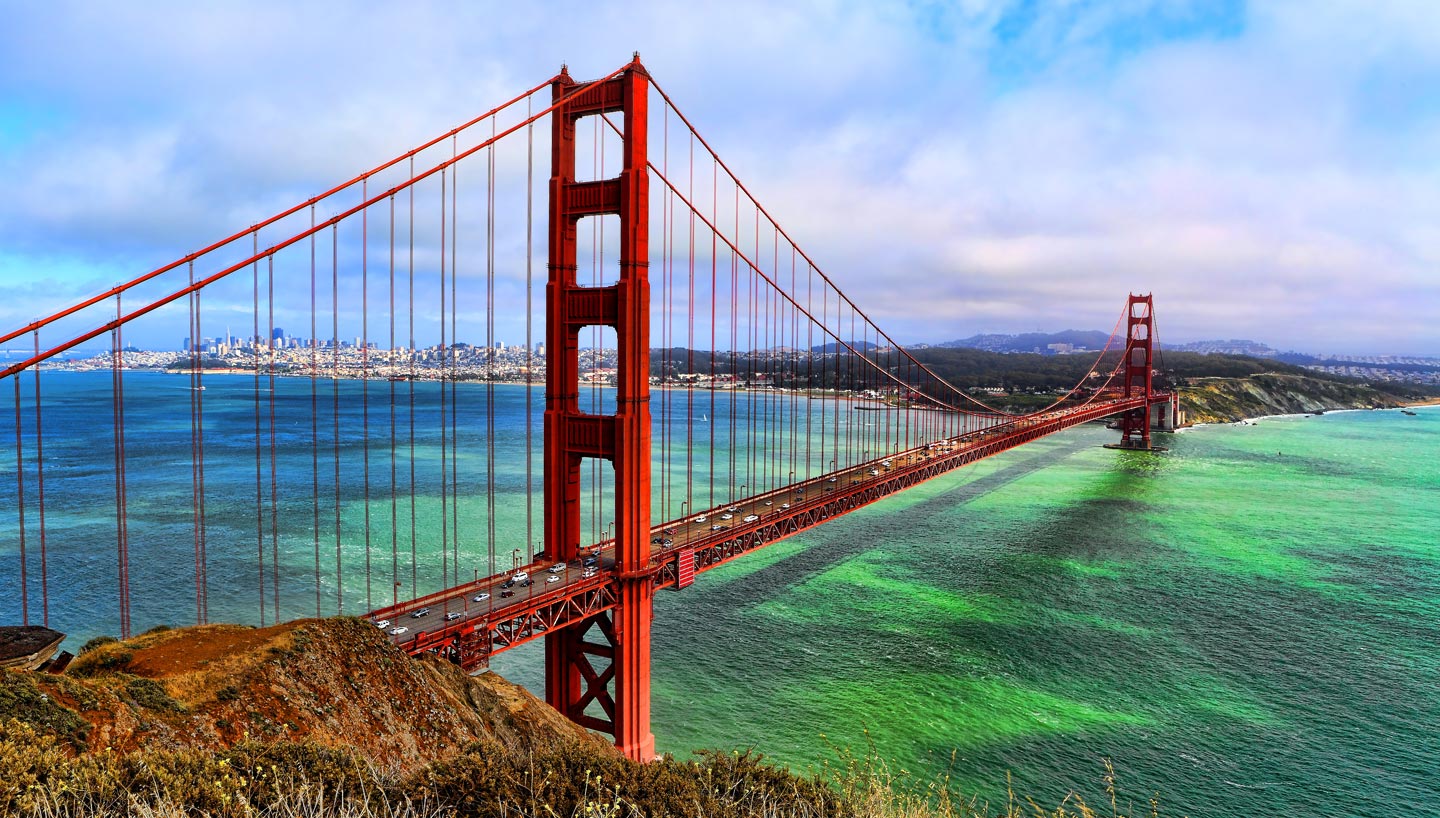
{"x": 610, "y": 650}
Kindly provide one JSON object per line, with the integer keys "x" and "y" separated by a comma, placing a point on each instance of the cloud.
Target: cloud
{"x": 1266, "y": 169}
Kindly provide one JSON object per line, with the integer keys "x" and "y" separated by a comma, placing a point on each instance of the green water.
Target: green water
{"x": 1248, "y": 623}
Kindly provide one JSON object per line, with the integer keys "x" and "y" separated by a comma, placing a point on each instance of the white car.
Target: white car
{"x": 769, "y": 503}
{"x": 874, "y": 473}
{"x": 784, "y": 505}
{"x": 453, "y": 615}
{"x": 480, "y": 597}
{"x": 588, "y": 573}
{"x": 727, "y": 516}
{"x": 557, "y": 568}
{"x": 519, "y": 576}
{"x": 398, "y": 631}
{"x": 383, "y": 624}
{"x": 732, "y": 509}
{"x": 702, "y": 518}
{"x": 750, "y": 518}
{"x": 552, "y": 578}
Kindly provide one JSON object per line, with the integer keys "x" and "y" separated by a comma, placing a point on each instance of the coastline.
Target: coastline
{"x": 1254, "y": 419}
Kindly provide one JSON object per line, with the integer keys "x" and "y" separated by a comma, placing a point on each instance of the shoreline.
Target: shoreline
{"x": 1254, "y": 419}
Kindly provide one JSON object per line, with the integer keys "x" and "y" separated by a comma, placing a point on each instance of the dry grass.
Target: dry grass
{"x": 41, "y": 780}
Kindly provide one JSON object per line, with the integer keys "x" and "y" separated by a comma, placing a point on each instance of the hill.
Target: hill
{"x": 1030, "y": 341}
{"x": 334, "y": 682}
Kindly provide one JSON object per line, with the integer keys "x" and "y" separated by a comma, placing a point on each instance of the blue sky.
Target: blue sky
{"x": 1269, "y": 170}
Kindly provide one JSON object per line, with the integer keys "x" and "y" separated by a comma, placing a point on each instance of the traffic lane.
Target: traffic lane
{"x": 465, "y": 604}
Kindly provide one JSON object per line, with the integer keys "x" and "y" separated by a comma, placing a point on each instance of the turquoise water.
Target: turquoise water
{"x": 1247, "y": 623}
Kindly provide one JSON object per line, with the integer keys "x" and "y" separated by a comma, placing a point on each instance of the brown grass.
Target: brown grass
{"x": 309, "y": 781}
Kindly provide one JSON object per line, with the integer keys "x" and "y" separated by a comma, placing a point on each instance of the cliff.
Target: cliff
{"x": 1226, "y": 400}
{"x": 333, "y": 682}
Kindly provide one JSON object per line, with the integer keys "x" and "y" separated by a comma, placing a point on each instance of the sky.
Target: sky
{"x": 1269, "y": 170}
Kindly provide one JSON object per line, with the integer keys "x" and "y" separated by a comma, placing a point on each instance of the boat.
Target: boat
{"x": 1407, "y": 412}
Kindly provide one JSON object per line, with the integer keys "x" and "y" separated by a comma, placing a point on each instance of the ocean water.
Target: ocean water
{"x": 1246, "y": 624}
{"x": 1249, "y": 622}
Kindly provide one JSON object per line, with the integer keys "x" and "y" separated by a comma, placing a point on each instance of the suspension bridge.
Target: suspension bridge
{"x": 687, "y": 387}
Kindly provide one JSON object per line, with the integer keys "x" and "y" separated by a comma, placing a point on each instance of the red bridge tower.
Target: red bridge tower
{"x": 574, "y": 680}
{"x": 1139, "y": 352}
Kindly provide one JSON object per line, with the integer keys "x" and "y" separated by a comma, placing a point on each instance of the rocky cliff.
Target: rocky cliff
{"x": 1226, "y": 400}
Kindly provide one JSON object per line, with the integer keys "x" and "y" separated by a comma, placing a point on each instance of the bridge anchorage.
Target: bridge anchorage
{"x": 777, "y": 403}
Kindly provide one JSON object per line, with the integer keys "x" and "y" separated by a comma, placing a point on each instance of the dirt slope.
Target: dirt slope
{"x": 337, "y": 682}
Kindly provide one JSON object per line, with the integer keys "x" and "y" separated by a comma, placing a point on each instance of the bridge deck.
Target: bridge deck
{"x": 475, "y": 620}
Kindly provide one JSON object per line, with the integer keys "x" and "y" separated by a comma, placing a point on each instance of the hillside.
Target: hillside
{"x": 1226, "y": 400}
{"x": 334, "y": 682}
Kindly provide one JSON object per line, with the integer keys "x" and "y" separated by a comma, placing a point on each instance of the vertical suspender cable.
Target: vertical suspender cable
{"x": 314, "y": 418}
{"x": 40, "y": 492}
{"x": 255, "y": 394}
{"x": 20, "y": 509}
{"x": 454, "y": 364}
{"x": 490, "y": 368}
{"x": 274, "y": 466}
{"x": 121, "y": 501}
{"x": 529, "y": 341}
{"x": 195, "y": 363}
{"x": 410, "y": 304}
{"x": 335, "y": 405}
{"x": 392, "y": 368}
{"x": 365, "y": 377}
{"x": 444, "y": 431}
{"x": 201, "y": 583}
{"x": 690, "y": 350}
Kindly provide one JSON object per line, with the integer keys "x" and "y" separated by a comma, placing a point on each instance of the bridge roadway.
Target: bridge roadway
{"x": 475, "y": 620}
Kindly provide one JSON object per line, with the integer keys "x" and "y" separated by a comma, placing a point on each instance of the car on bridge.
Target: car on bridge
{"x": 383, "y": 624}
{"x": 453, "y": 615}
{"x": 479, "y": 597}
{"x": 750, "y": 518}
{"x": 506, "y": 592}
{"x": 419, "y": 613}
{"x": 399, "y": 631}
{"x": 520, "y": 576}
{"x": 552, "y": 578}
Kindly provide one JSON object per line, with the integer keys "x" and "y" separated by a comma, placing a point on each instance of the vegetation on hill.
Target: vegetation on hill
{"x": 134, "y": 728}
{"x": 1225, "y": 400}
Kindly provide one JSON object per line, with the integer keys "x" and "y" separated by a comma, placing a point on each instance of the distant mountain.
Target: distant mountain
{"x": 862, "y": 346}
{"x": 1071, "y": 340}
{"x": 1235, "y": 346}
